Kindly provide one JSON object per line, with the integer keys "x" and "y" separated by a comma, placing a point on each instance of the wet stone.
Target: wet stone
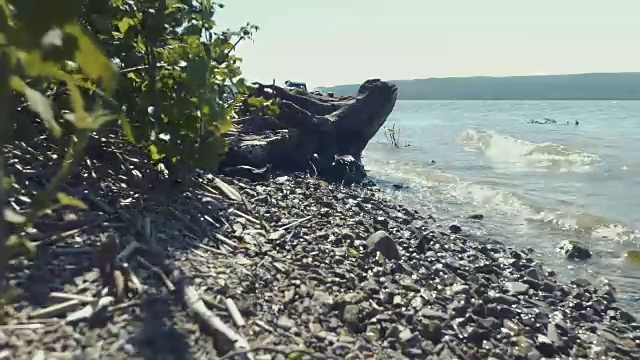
{"x": 408, "y": 338}
{"x": 350, "y": 315}
{"x": 285, "y": 323}
{"x": 455, "y": 229}
{"x": 535, "y": 273}
{"x": 580, "y": 282}
{"x": 433, "y": 314}
{"x": 383, "y": 243}
{"x": 517, "y": 287}
{"x": 545, "y": 346}
{"x": 477, "y": 335}
{"x": 381, "y": 222}
{"x": 504, "y": 299}
{"x": 548, "y": 287}
{"x": 431, "y": 330}
{"x": 574, "y": 250}
{"x": 476, "y": 217}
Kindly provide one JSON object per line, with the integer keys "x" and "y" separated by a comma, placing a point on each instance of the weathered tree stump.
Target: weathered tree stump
{"x": 311, "y": 133}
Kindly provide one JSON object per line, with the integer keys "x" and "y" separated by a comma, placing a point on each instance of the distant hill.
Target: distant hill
{"x": 595, "y": 86}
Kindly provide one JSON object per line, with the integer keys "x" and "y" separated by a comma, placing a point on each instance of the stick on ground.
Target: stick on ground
{"x": 226, "y": 338}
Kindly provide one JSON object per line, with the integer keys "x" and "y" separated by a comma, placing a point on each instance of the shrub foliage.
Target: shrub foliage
{"x": 158, "y": 72}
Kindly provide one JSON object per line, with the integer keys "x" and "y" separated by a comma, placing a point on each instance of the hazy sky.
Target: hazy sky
{"x": 327, "y": 42}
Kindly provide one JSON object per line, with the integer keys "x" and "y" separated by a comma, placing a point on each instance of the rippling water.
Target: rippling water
{"x": 536, "y": 185}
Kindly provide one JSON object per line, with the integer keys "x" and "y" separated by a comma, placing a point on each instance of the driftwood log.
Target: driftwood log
{"x": 316, "y": 134}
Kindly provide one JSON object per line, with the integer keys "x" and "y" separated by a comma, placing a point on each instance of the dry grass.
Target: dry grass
{"x": 393, "y": 137}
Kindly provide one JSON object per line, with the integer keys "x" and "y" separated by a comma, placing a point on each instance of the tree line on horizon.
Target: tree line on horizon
{"x": 596, "y": 86}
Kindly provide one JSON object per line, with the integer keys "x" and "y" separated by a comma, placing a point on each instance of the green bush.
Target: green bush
{"x": 179, "y": 67}
{"x": 161, "y": 68}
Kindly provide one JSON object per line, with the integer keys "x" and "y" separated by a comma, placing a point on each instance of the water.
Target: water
{"x": 536, "y": 185}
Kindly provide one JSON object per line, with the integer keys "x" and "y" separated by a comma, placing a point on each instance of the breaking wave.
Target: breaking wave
{"x": 516, "y": 153}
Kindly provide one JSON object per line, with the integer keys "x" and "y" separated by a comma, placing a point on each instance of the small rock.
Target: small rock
{"x": 455, "y": 229}
{"x": 353, "y": 297}
{"x": 460, "y": 289}
{"x": 522, "y": 345}
{"x": 479, "y": 310}
{"x": 477, "y": 335}
{"x": 552, "y": 333}
{"x": 431, "y": 330}
{"x": 458, "y": 308}
{"x": 517, "y": 287}
{"x": 548, "y": 287}
{"x": 511, "y": 327}
{"x": 408, "y": 338}
{"x": 372, "y": 333}
{"x": 574, "y": 250}
{"x": 129, "y": 349}
{"x": 414, "y": 353}
{"x": 504, "y": 299}
{"x": 381, "y": 222}
{"x": 626, "y": 317}
{"x": 285, "y": 323}
{"x": 277, "y": 235}
{"x": 350, "y": 314}
{"x": 398, "y": 186}
{"x": 581, "y": 282}
{"x": 535, "y": 274}
{"x": 534, "y": 355}
{"x": 322, "y": 298}
{"x": 39, "y": 355}
{"x": 476, "y": 217}
{"x": 416, "y": 303}
{"x": 545, "y": 346}
{"x": 381, "y": 242}
{"x": 433, "y": 314}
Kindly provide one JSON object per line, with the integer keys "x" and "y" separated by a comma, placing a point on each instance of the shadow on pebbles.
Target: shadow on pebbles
{"x": 295, "y": 268}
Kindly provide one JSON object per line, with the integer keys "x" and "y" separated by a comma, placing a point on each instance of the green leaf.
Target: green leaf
{"x": 353, "y": 252}
{"x": 17, "y": 244}
{"x": 124, "y": 24}
{"x": 65, "y": 199}
{"x": 256, "y": 101}
{"x": 93, "y": 62}
{"x": 295, "y": 355}
{"x": 155, "y": 154}
{"x": 126, "y": 127}
{"x": 13, "y": 217}
{"x": 38, "y": 103}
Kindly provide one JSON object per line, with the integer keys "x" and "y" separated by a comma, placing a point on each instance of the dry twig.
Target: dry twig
{"x": 160, "y": 273}
{"x": 65, "y": 296}
{"x": 227, "y": 337}
{"x": 296, "y": 223}
{"x": 56, "y": 309}
{"x": 246, "y": 216}
{"x": 234, "y": 312}
{"x": 286, "y": 353}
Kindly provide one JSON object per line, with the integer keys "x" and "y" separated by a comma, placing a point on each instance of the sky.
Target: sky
{"x": 330, "y": 42}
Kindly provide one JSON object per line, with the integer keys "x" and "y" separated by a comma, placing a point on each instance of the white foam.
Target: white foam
{"x": 517, "y": 154}
{"x": 434, "y": 186}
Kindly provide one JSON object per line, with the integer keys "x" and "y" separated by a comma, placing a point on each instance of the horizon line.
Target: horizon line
{"x": 494, "y": 77}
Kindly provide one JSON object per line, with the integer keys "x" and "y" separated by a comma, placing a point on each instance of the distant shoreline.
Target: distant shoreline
{"x": 580, "y": 87}
{"x": 585, "y": 99}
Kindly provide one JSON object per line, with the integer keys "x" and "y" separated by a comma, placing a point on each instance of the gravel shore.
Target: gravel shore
{"x": 301, "y": 269}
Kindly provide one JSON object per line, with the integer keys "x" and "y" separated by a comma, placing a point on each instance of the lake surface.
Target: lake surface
{"x": 536, "y": 185}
